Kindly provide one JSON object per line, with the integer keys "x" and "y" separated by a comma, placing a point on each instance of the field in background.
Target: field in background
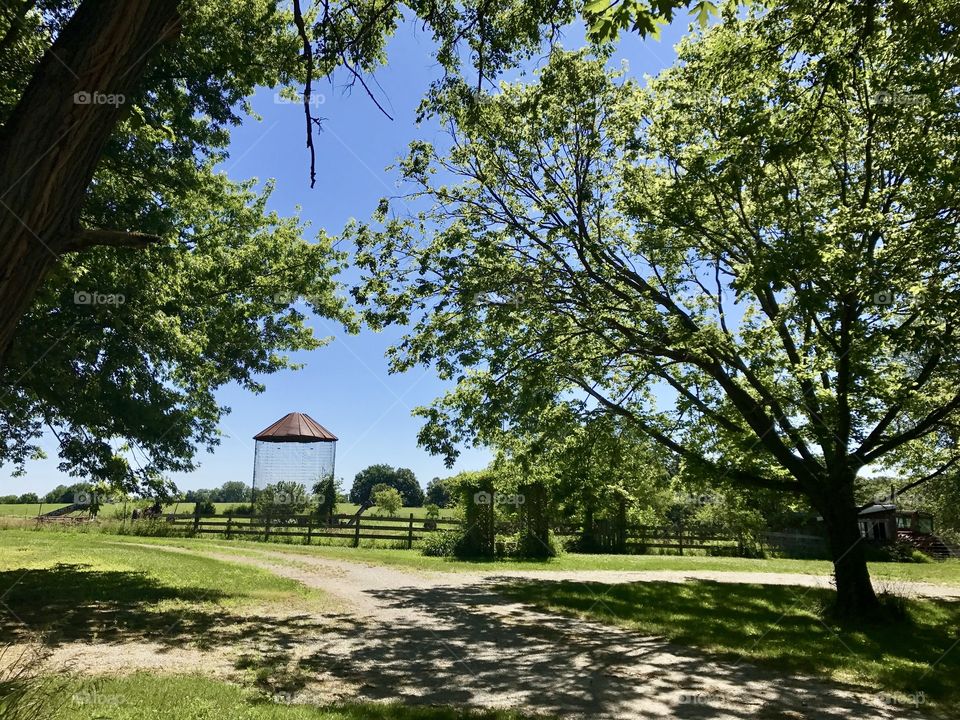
{"x": 115, "y": 510}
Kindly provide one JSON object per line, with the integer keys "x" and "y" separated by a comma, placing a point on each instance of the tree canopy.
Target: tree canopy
{"x": 401, "y": 479}
{"x": 753, "y": 258}
{"x": 140, "y": 277}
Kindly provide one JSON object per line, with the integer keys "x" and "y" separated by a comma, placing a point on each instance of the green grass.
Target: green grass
{"x": 149, "y": 697}
{"x": 885, "y": 573}
{"x": 73, "y": 586}
{"x": 776, "y": 626}
{"x": 27, "y": 509}
{"x": 945, "y": 573}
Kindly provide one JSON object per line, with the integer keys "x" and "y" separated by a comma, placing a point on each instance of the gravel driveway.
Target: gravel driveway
{"x": 450, "y": 638}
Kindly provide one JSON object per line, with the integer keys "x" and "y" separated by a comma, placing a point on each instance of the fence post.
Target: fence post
{"x": 266, "y": 528}
{"x": 309, "y": 529}
{"x": 196, "y": 521}
{"x": 229, "y": 523}
{"x": 356, "y": 533}
{"x": 410, "y": 533}
{"x": 680, "y": 537}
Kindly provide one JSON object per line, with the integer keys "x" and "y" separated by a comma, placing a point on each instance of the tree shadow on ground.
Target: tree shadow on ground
{"x": 72, "y": 603}
{"x": 465, "y": 645}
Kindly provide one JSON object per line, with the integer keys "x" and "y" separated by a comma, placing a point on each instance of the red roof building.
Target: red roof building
{"x": 296, "y": 427}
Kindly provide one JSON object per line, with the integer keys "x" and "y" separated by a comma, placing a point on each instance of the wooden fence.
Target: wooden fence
{"x": 353, "y": 528}
{"x": 607, "y": 537}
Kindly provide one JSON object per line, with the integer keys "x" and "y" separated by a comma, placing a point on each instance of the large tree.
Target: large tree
{"x": 401, "y": 479}
{"x": 73, "y": 71}
{"x": 753, "y": 259}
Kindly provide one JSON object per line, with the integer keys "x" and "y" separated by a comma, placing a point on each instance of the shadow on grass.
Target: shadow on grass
{"x": 779, "y": 626}
{"x": 464, "y": 645}
{"x": 70, "y": 602}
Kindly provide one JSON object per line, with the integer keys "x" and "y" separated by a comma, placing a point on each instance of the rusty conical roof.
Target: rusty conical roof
{"x": 296, "y": 427}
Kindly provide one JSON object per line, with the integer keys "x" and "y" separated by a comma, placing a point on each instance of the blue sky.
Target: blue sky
{"x": 345, "y": 386}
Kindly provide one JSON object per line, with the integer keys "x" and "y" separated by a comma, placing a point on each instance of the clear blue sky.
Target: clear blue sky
{"x": 344, "y": 386}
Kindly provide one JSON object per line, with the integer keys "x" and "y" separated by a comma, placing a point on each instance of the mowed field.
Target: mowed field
{"x": 205, "y": 628}
{"x": 116, "y": 510}
{"x": 84, "y": 611}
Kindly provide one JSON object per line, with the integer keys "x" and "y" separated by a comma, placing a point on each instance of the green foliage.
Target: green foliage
{"x": 769, "y": 242}
{"x": 402, "y": 479}
{"x": 326, "y": 494}
{"x": 216, "y": 303}
{"x": 204, "y": 507}
{"x": 438, "y": 493}
{"x": 607, "y": 18}
{"x": 387, "y": 499}
{"x": 281, "y": 499}
{"x": 433, "y": 511}
{"x": 442, "y": 543}
{"x": 28, "y": 498}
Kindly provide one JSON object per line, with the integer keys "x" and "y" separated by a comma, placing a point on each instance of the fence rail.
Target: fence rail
{"x": 345, "y": 527}
{"x": 607, "y": 537}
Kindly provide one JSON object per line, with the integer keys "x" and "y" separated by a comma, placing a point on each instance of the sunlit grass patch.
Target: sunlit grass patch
{"x": 151, "y": 697}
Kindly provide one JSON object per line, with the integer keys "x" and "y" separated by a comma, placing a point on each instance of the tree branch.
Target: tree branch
{"x": 109, "y": 238}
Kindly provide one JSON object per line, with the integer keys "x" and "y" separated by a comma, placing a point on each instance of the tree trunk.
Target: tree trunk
{"x": 856, "y": 599}
{"x": 52, "y": 143}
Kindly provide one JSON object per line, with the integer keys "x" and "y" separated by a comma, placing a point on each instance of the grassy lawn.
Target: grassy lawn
{"x": 150, "y": 697}
{"x": 73, "y": 586}
{"x": 778, "y": 627}
{"x": 944, "y": 573}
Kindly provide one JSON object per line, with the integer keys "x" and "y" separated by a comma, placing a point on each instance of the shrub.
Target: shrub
{"x": 443, "y": 543}
{"x": 282, "y": 499}
{"x": 326, "y": 491}
{"x": 204, "y": 507}
{"x": 386, "y": 498}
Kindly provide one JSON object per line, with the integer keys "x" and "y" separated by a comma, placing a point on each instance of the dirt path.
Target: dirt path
{"x": 449, "y": 638}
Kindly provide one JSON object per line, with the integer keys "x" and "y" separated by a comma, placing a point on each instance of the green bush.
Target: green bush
{"x": 528, "y": 546}
{"x": 442, "y": 543}
{"x": 204, "y": 507}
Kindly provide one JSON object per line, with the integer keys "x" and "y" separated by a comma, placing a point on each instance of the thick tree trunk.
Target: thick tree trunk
{"x": 856, "y": 599}
{"x": 52, "y": 143}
